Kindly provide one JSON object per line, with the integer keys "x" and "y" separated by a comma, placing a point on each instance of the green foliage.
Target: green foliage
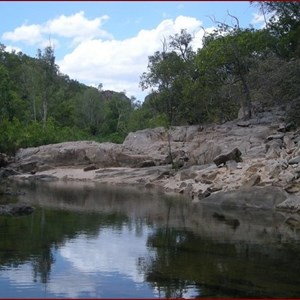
{"x": 15, "y": 135}
{"x": 225, "y": 74}
{"x": 39, "y": 105}
{"x": 284, "y": 26}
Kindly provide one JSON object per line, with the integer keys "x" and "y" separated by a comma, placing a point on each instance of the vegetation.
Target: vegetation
{"x": 238, "y": 70}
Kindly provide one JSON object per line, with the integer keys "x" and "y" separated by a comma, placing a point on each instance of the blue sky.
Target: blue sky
{"x": 109, "y": 42}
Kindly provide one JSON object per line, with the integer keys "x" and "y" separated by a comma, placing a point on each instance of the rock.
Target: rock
{"x": 231, "y": 165}
{"x": 205, "y": 181}
{"x": 204, "y": 194}
{"x": 275, "y": 136}
{"x": 214, "y": 189}
{"x": 186, "y": 189}
{"x": 204, "y": 153}
{"x": 6, "y": 172}
{"x": 293, "y": 222}
{"x": 255, "y": 168}
{"x": 292, "y": 204}
{"x": 146, "y": 164}
{"x": 16, "y": 210}
{"x": 267, "y": 197}
{"x": 253, "y": 180}
{"x": 187, "y": 174}
{"x": 273, "y": 148}
{"x": 243, "y": 124}
{"x": 235, "y": 155}
{"x": 293, "y": 188}
{"x": 288, "y": 143}
{"x": 90, "y": 168}
{"x": 286, "y": 127}
{"x": 295, "y": 160}
{"x": 5, "y": 160}
{"x": 43, "y": 177}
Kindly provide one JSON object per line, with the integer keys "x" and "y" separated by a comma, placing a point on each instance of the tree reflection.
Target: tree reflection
{"x": 42, "y": 265}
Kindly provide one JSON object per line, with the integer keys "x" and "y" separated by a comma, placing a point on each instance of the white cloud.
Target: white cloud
{"x": 118, "y": 64}
{"x": 94, "y": 56}
{"x": 30, "y": 34}
{"x": 77, "y": 27}
{"x": 11, "y": 48}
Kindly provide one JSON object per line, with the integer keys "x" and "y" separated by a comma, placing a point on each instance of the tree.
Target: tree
{"x": 284, "y": 25}
{"x": 166, "y": 75}
{"x": 227, "y": 56}
{"x": 49, "y": 70}
{"x": 91, "y": 110}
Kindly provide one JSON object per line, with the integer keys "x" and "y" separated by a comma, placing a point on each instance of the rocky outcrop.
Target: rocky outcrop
{"x": 266, "y": 154}
{"x": 83, "y": 153}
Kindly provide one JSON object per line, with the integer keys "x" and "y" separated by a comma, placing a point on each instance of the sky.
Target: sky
{"x": 109, "y": 42}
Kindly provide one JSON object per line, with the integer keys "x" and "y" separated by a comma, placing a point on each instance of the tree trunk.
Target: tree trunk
{"x": 247, "y": 107}
{"x": 45, "y": 108}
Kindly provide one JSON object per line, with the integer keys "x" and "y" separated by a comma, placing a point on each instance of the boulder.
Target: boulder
{"x": 295, "y": 160}
{"x": 5, "y": 160}
{"x": 291, "y": 204}
{"x": 267, "y": 197}
{"x": 235, "y": 155}
{"x": 90, "y": 168}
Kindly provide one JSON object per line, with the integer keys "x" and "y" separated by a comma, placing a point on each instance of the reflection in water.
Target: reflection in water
{"x": 86, "y": 240}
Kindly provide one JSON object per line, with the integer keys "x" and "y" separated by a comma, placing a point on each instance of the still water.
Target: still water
{"x": 95, "y": 241}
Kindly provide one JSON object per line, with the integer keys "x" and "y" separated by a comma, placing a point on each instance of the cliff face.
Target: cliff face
{"x": 269, "y": 148}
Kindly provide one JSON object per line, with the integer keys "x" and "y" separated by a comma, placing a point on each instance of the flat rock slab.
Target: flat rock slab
{"x": 255, "y": 197}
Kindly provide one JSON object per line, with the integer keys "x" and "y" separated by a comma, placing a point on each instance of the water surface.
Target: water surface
{"x": 96, "y": 241}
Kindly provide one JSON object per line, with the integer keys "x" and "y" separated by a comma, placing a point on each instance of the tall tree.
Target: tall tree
{"x": 49, "y": 71}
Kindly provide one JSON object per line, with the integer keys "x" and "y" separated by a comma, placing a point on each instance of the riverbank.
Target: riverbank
{"x": 269, "y": 147}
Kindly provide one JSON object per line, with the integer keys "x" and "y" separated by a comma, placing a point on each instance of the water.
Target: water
{"x": 95, "y": 241}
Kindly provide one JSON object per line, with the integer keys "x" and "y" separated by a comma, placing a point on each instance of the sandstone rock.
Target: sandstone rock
{"x": 273, "y": 148}
{"x": 90, "y": 168}
{"x": 235, "y": 155}
{"x": 295, "y": 160}
{"x": 286, "y": 127}
{"x": 255, "y": 197}
{"x": 288, "y": 143}
{"x": 204, "y": 153}
{"x": 275, "y": 136}
{"x": 214, "y": 189}
{"x": 243, "y": 124}
{"x": 186, "y": 189}
{"x": 254, "y": 168}
{"x": 253, "y": 180}
{"x": 231, "y": 165}
{"x": 293, "y": 188}
{"x": 202, "y": 195}
{"x": 292, "y": 204}
{"x": 146, "y": 164}
{"x": 187, "y": 174}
